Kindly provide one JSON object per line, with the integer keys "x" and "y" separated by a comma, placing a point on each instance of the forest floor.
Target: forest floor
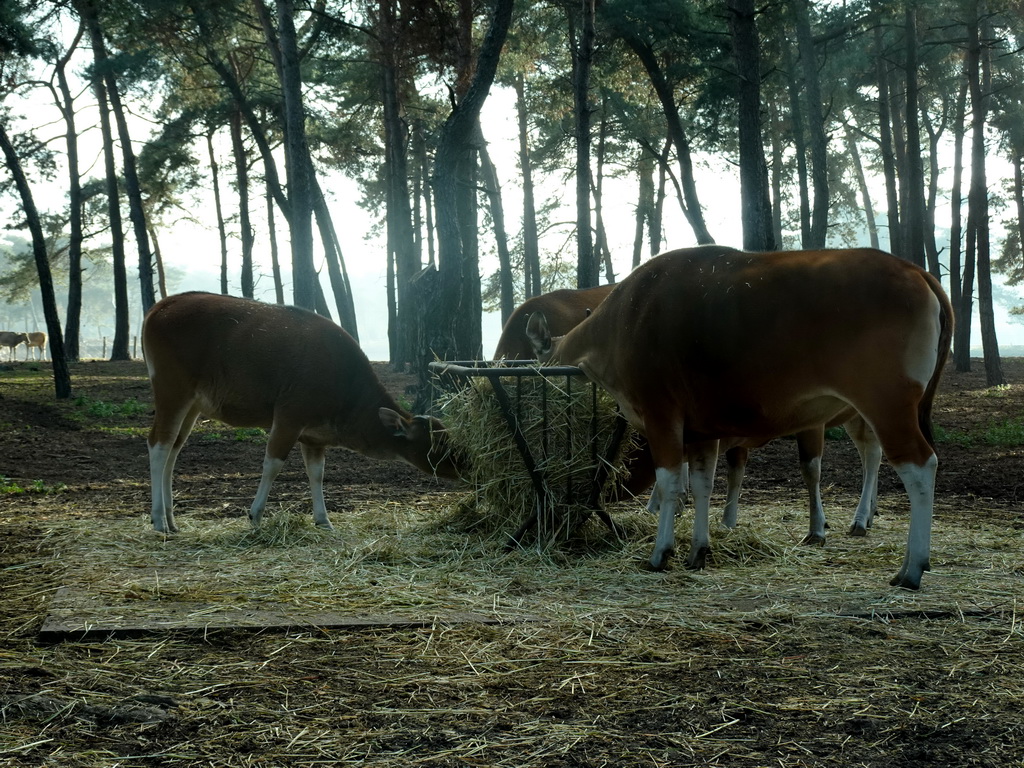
{"x": 407, "y": 638}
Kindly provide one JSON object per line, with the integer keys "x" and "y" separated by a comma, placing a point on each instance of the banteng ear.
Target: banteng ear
{"x": 393, "y": 420}
{"x": 539, "y": 334}
{"x": 586, "y": 314}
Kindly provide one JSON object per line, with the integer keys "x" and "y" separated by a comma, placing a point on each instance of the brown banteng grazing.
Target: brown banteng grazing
{"x": 703, "y": 344}
{"x": 564, "y": 309}
{"x": 11, "y": 340}
{"x": 298, "y": 374}
{"x": 36, "y": 340}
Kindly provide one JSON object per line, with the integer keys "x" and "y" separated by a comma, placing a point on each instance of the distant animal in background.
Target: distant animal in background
{"x": 285, "y": 369}
{"x": 37, "y": 340}
{"x": 11, "y": 340}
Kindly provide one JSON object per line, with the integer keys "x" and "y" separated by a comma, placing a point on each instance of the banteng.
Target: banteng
{"x": 298, "y": 374}
{"x": 703, "y": 344}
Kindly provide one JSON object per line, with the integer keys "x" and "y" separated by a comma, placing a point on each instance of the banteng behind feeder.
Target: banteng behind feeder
{"x": 298, "y": 374}
{"x": 704, "y": 344}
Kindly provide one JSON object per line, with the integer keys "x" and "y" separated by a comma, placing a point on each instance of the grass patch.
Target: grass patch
{"x": 104, "y": 410}
{"x": 10, "y": 487}
{"x": 1008, "y": 434}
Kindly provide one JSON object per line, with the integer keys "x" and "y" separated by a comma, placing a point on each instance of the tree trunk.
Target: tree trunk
{"x": 691, "y": 208}
{"x": 136, "y": 210}
{"x": 242, "y": 186}
{"x": 931, "y": 248}
{"x": 218, "y": 208}
{"x": 158, "y": 262}
{"x": 796, "y": 116}
{"x": 531, "y": 242}
{"x": 119, "y": 348}
{"x": 655, "y": 229}
{"x": 755, "y": 202}
{"x": 644, "y": 203}
{"x": 886, "y": 146}
{"x": 777, "y": 170}
{"x": 979, "y": 78}
{"x": 956, "y": 202}
{"x": 815, "y": 125}
{"x": 131, "y": 178}
{"x": 275, "y": 258}
{"x": 492, "y": 189}
{"x": 336, "y": 270}
{"x": 602, "y": 254}
{"x": 305, "y": 282}
{"x": 401, "y": 242}
{"x": 73, "y": 320}
{"x": 61, "y": 376}
{"x": 914, "y": 214}
{"x": 582, "y": 62}
{"x": 451, "y": 327}
{"x": 862, "y": 184}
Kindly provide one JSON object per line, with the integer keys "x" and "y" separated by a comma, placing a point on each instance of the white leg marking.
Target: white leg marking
{"x": 920, "y": 485}
{"x": 160, "y": 466}
{"x": 667, "y": 485}
{"x": 654, "y": 501}
{"x": 733, "y": 486}
{"x": 811, "y": 473}
{"x": 871, "y": 460}
{"x": 702, "y": 480}
{"x": 271, "y": 468}
{"x": 314, "y": 458}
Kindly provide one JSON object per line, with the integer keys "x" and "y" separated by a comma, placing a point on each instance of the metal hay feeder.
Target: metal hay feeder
{"x": 507, "y": 379}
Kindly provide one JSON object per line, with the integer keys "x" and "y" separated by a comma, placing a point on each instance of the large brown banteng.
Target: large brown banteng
{"x": 564, "y": 309}
{"x": 251, "y": 364}
{"x": 704, "y": 344}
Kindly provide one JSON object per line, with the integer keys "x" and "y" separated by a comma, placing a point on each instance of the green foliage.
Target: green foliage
{"x": 1007, "y": 434}
{"x": 835, "y": 433}
{"x": 103, "y": 410}
{"x": 1003, "y": 434}
{"x": 9, "y": 487}
{"x": 951, "y": 437}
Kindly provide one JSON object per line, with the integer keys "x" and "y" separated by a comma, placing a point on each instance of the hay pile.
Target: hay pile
{"x": 567, "y": 424}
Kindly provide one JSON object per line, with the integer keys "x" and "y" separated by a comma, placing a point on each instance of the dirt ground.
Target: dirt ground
{"x": 653, "y": 691}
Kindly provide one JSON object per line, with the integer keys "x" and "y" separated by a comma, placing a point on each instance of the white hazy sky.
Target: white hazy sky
{"x": 191, "y": 245}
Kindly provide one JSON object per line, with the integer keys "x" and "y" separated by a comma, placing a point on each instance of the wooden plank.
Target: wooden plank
{"x": 77, "y": 617}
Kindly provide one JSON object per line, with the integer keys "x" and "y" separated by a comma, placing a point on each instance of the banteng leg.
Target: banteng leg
{"x": 668, "y": 460}
{"x": 314, "y": 456}
{"x": 654, "y": 502}
{"x": 910, "y": 454}
{"x": 871, "y": 459}
{"x": 736, "y": 459}
{"x": 166, "y": 438}
{"x": 919, "y": 480}
{"x": 703, "y": 460}
{"x": 279, "y": 444}
{"x": 810, "y": 445}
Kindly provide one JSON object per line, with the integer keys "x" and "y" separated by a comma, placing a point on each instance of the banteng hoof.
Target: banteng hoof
{"x": 697, "y": 560}
{"x": 813, "y": 539}
{"x": 659, "y": 561}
